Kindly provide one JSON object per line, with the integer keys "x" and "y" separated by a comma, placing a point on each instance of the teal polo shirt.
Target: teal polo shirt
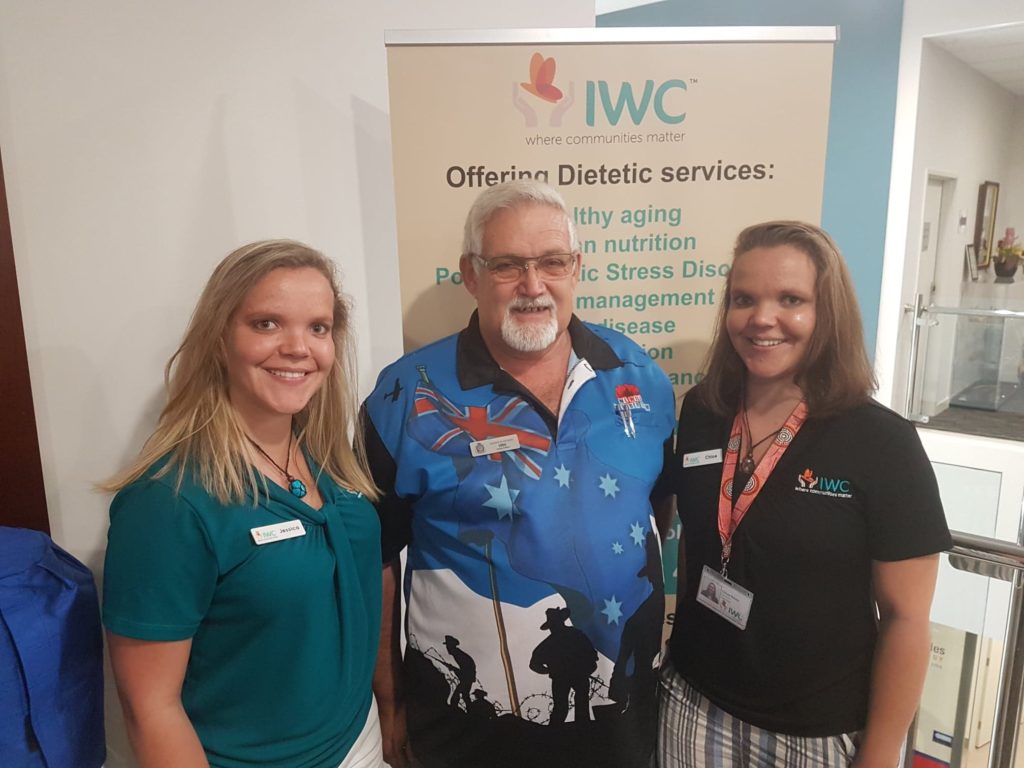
{"x": 284, "y": 634}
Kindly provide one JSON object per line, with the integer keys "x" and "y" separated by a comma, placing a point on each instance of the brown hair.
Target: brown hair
{"x": 835, "y": 373}
{"x": 199, "y": 429}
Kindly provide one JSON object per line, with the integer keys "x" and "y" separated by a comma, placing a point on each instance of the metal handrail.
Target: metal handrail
{"x": 988, "y": 550}
{"x": 992, "y": 313}
{"x": 915, "y": 339}
{"x": 1010, "y": 693}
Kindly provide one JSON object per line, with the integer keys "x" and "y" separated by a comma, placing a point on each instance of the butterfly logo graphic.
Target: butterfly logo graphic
{"x": 542, "y": 78}
{"x": 807, "y": 479}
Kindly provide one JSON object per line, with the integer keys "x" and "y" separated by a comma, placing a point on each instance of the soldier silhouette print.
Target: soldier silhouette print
{"x": 568, "y": 657}
{"x": 464, "y": 669}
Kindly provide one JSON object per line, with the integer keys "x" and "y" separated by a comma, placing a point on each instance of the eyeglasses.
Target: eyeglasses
{"x": 508, "y": 269}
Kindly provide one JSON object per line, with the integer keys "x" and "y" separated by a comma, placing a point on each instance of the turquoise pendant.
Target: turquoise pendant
{"x": 297, "y": 487}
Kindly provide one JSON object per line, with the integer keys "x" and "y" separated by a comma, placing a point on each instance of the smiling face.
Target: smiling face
{"x": 771, "y": 314}
{"x": 525, "y": 316}
{"x": 278, "y": 347}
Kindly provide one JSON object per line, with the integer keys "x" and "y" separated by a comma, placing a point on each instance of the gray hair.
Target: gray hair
{"x": 512, "y": 194}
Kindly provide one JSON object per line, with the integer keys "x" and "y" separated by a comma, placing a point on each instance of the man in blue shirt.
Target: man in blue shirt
{"x": 520, "y": 461}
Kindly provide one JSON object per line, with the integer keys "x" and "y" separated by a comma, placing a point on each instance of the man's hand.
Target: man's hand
{"x": 387, "y": 677}
{"x": 394, "y": 736}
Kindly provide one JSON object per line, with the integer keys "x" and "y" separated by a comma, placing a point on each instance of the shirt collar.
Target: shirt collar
{"x": 475, "y": 366}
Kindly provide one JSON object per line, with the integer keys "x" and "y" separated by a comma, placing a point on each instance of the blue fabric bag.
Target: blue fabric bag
{"x": 51, "y": 657}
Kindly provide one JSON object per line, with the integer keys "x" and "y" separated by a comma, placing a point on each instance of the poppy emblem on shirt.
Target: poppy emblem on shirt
{"x": 628, "y": 398}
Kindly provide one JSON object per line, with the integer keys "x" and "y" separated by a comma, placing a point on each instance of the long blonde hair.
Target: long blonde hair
{"x": 199, "y": 431}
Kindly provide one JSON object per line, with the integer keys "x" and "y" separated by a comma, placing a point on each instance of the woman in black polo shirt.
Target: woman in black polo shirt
{"x": 804, "y": 505}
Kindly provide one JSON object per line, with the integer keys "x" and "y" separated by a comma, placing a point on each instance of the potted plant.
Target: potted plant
{"x": 1007, "y": 256}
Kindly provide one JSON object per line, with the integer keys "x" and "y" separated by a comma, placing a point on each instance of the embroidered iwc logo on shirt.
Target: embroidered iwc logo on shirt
{"x": 808, "y": 482}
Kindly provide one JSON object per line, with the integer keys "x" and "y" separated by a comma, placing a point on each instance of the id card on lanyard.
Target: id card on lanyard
{"x": 716, "y": 591}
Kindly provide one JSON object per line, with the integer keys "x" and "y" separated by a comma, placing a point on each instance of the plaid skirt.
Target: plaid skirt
{"x": 694, "y": 733}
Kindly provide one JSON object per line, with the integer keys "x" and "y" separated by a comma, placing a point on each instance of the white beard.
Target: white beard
{"x": 529, "y": 337}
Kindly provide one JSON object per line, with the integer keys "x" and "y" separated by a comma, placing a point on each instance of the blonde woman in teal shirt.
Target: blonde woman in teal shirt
{"x": 242, "y": 578}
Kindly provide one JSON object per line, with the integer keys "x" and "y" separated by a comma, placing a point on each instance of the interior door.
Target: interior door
{"x": 925, "y": 389}
{"x": 23, "y": 499}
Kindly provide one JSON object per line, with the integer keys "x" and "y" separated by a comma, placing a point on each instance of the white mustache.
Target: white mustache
{"x": 538, "y": 303}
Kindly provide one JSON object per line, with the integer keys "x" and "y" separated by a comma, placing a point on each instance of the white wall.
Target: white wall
{"x": 1012, "y": 204}
{"x": 142, "y": 142}
{"x": 986, "y": 293}
{"x": 965, "y": 129}
{"x": 921, "y": 18}
{"x": 966, "y": 132}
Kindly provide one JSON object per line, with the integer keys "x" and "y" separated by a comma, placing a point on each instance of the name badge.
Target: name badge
{"x": 726, "y": 598}
{"x": 267, "y": 534}
{"x": 699, "y": 458}
{"x": 494, "y": 445}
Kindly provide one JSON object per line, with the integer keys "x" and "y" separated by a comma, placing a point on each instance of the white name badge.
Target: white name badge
{"x": 266, "y": 534}
{"x": 699, "y": 458}
{"x": 494, "y": 445}
{"x": 726, "y": 598}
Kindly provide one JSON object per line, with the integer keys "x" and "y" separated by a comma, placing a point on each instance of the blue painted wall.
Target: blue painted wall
{"x": 861, "y": 119}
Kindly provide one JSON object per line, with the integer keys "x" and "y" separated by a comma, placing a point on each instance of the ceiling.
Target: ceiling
{"x": 996, "y": 52}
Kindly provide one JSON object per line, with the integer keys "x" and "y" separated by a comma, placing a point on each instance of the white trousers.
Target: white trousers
{"x": 367, "y": 752}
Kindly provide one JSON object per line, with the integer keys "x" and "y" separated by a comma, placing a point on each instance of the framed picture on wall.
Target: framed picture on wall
{"x": 985, "y": 222}
{"x": 971, "y": 258}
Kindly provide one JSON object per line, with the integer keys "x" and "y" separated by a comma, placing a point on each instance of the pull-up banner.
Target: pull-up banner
{"x": 664, "y": 142}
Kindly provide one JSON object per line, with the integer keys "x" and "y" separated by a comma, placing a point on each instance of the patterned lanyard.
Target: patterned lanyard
{"x": 730, "y": 512}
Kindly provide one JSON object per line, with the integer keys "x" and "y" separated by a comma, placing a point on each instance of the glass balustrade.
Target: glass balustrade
{"x": 970, "y": 709}
{"x": 967, "y": 370}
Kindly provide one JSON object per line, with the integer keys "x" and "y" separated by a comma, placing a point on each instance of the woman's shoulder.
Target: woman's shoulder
{"x": 693, "y": 397}
{"x": 873, "y": 432}
{"x": 695, "y": 403}
{"x": 697, "y": 421}
{"x": 167, "y": 483}
{"x": 872, "y": 416}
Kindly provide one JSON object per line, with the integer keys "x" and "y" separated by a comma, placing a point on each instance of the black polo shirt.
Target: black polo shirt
{"x": 849, "y": 490}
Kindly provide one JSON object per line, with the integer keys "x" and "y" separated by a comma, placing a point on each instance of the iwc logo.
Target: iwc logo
{"x": 808, "y": 482}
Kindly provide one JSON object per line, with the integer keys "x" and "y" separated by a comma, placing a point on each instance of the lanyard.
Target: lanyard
{"x": 730, "y": 511}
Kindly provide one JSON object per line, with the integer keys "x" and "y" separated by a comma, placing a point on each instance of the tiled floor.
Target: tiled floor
{"x": 972, "y": 421}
